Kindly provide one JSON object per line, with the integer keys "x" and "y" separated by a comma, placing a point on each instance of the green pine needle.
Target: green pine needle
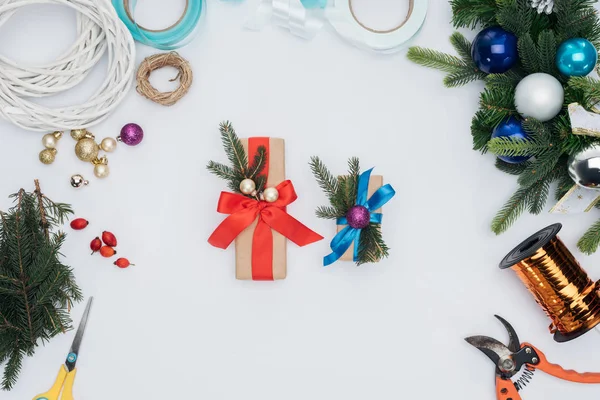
{"x": 511, "y": 169}
{"x": 590, "y": 240}
{"x": 462, "y": 46}
{"x": 372, "y": 247}
{"x": 327, "y": 182}
{"x": 258, "y": 163}
{"x": 233, "y": 147}
{"x": 436, "y": 59}
{"x": 510, "y": 212}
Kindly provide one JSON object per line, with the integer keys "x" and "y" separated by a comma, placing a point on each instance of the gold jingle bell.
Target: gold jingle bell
{"x": 47, "y": 156}
{"x": 87, "y": 150}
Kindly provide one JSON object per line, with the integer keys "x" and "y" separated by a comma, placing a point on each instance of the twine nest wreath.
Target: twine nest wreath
{"x": 158, "y": 61}
{"x": 99, "y": 30}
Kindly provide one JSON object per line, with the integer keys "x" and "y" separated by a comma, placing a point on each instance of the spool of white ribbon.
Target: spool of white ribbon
{"x": 306, "y": 22}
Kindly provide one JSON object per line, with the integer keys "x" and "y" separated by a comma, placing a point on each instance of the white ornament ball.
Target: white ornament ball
{"x": 101, "y": 170}
{"x": 49, "y": 141}
{"x": 108, "y": 144}
{"x": 271, "y": 195}
{"x": 539, "y": 96}
{"x": 247, "y": 186}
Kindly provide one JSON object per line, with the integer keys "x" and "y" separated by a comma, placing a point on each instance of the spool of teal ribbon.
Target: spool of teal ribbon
{"x": 174, "y": 37}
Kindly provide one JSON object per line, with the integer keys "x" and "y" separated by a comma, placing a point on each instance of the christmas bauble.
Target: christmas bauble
{"x": 539, "y": 96}
{"x": 511, "y": 127}
{"x": 50, "y": 140}
{"x": 78, "y": 181}
{"x": 247, "y": 186}
{"x": 131, "y": 134}
{"x": 584, "y": 167}
{"x": 108, "y": 144}
{"x": 87, "y": 150}
{"x": 358, "y": 217}
{"x": 78, "y": 134}
{"x": 47, "y": 156}
{"x": 495, "y": 50}
{"x": 576, "y": 57}
{"x": 271, "y": 194}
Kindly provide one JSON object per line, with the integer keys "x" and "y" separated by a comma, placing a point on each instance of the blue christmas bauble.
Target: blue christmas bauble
{"x": 511, "y": 127}
{"x": 495, "y": 50}
{"x": 576, "y": 57}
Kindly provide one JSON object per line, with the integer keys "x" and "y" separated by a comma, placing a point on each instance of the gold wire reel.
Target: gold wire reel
{"x": 558, "y": 283}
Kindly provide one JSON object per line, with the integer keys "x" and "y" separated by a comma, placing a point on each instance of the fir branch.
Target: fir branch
{"x": 328, "y": 183}
{"x": 372, "y": 247}
{"x": 590, "y": 240}
{"x": 540, "y": 167}
{"x": 511, "y": 169}
{"x": 222, "y": 171}
{"x": 564, "y": 183}
{"x": 258, "y": 163}
{"x": 461, "y": 78}
{"x": 496, "y": 105}
{"x": 515, "y": 147}
{"x": 462, "y": 46}
{"x": 528, "y": 54}
{"x": 506, "y": 81}
{"x": 436, "y": 60}
{"x": 328, "y": 212}
{"x": 233, "y": 147}
{"x": 547, "y": 53}
{"x": 473, "y": 13}
{"x": 481, "y": 131}
{"x": 510, "y": 212}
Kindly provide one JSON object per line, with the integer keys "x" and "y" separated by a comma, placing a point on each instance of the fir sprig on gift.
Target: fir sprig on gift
{"x": 36, "y": 288}
{"x": 551, "y": 142}
{"x": 341, "y": 192}
{"x": 239, "y": 169}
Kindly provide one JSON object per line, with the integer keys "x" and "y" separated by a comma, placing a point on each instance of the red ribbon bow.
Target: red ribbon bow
{"x": 243, "y": 211}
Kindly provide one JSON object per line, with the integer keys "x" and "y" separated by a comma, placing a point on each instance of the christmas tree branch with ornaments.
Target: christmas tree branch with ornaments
{"x": 534, "y": 57}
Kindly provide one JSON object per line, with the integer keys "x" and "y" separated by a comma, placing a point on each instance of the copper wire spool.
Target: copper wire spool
{"x": 558, "y": 283}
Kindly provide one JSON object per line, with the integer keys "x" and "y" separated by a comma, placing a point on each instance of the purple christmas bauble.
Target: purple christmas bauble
{"x": 358, "y": 217}
{"x": 131, "y": 134}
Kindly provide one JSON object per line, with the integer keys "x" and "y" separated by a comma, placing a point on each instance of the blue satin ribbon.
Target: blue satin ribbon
{"x": 344, "y": 238}
{"x": 171, "y": 38}
{"x": 314, "y": 3}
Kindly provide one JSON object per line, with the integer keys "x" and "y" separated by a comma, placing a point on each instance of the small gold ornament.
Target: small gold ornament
{"x": 247, "y": 186}
{"x": 47, "y": 156}
{"x": 101, "y": 169}
{"x": 108, "y": 144}
{"x": 271, "y": 195}
{"x": 78, "y": 181}
{"x": 50, "y": 140}
{"x": 87, "y": 149}
{"x": 79, "y": 134}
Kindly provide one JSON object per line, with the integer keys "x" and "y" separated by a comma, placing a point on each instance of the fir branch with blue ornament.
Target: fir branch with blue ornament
{"x": 354, "y": 203}
{"x": 534, "y": 57}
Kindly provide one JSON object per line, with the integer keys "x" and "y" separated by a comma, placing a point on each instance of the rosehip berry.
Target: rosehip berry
{"x": 122, "y": 263}
{"x": 107, "y": 251}
{"x": 95, "y": 245}
{"x": 79, "y": 223}
{"x": 109, "y": 239}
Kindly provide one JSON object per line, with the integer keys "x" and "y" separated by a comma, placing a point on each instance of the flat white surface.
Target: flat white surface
{"x": 179, "y": 326}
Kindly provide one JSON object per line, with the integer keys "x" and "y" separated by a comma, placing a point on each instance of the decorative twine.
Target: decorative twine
{"x": 157, "y": 61}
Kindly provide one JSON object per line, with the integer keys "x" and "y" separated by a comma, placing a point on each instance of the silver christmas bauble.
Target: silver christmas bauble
{"x": 78, "y": 181}
{"x": 247, "y": 186}
{"x": 584, "y": 167}
{"x": 539, "y": 96}
{"x": 271, "y": 195}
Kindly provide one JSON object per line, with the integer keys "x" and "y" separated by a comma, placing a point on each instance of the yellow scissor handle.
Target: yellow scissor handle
{"x": 64, "y": 378}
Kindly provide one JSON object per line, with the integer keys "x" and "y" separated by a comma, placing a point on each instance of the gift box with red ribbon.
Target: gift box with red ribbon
{"x": 261, "y": 228}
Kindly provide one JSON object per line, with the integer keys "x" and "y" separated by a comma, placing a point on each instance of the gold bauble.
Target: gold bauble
{"x": 78, "y": 134}
{"x": 47, "y": 156}
{"x": 86, "y": 150}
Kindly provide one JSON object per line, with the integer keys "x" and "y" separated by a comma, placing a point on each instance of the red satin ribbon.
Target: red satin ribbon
{"x": 243, "y": 211}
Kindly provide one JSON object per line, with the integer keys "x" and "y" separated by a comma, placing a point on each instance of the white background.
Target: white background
{"x": 178, "y": 325}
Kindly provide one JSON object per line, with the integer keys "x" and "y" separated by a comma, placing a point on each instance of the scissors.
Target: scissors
{"x": 66, "y": 374}
{"x": 509, "y": 360}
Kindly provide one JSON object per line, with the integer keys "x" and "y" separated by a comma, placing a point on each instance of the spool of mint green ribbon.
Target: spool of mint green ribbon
{"x": 174, "y": 37}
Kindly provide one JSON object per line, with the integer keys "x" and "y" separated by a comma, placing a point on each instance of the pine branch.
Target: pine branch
{"x": 496, "y": 106}
{"x": 510, "y": 212}
{"x": 529, "y": 54}
{"x": 547, "y": 53}
{"x": 539, "y": 168}
{"x": 371, "y": 247}
{"x": 258, "y": 163}
{"x": 461, "y": 78}
{"x": 590, "y": 240}
{"x": 506, "y": 81}
{"x": 328, "y": 183}
{"x": 462, "y": 46}
{"x": 233, "y": 147}
{"x": 480, "y": 131}
{"x": 473, "y": 13}
{"x": 509, "y": 146}
{"x": 511, "y": 169}
{"x": 436, "y": 60}
{"x": 222, "y": 171}
{"x": 327, "y": 212}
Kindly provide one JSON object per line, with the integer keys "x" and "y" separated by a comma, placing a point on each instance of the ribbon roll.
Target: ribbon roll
{"x": 304, "y": 18}
{"x": 344, "y": 239}
{"x": 341, "y": 15}
{"x": 177, "y": 35}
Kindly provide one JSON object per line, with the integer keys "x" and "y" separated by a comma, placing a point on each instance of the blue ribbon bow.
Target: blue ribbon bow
{"x": 344, "y": 238}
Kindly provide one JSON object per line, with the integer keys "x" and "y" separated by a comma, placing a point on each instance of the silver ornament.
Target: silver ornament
{"x": 247, "y": 186}
{"x": 78, "y": 181}
{"x": 271, "y": 194}
{"x": 584, "y": 167}
{"x": 543, "y": 6}
{"x": 539, "y": 96}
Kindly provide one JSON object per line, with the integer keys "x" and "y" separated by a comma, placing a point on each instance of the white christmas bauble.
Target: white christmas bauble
{"x": 108, "y": 144}
{"x": 101, "y": 170}
{"x": 247, "y": 186}
{"x": 539, "y": 96}
{"x": 271, "y": 195}
{"x": 49, "y": 141}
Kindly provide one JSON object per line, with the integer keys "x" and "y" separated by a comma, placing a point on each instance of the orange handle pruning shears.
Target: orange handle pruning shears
{"x": 510, "y": 359}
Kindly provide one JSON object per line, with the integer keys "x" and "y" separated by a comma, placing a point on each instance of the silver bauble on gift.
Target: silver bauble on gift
{"x": 584, "y": 167}
{"x": 539, "y": 96}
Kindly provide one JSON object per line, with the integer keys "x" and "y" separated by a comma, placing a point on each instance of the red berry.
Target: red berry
{"x": 107, "y": 251}
{"x": 109, "y": 239}
{"x": 122, "y": 263}
{"x": 95, "y": 245}
{"x": 79, "y": 223}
